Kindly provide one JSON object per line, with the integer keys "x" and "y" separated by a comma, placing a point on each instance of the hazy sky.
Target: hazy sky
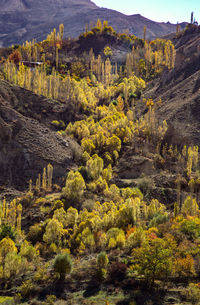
{"x": 157, "y": 10}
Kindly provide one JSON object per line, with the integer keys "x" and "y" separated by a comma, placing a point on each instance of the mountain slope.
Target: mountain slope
{"x": 179, "y": 90}
{"x": 22, "y": 20}
{"x": 28, "y": 141}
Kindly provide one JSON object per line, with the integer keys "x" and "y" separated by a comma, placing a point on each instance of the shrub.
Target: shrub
{"x": 145, "y": 184}
{"x": 85, "y": 173}
{"x": 192, "y": 293}
{"x": 102, "y": 260}
{"x": 35, "y": 233}
{"x": 7, "y": 231}
{"x": 26, "y": 289}
{"x": 158, "y": 219}
{"x": 191, "y": 227}
{"x": 58, "y": 204}
{"x": 101, "y": 274}
{"x": 14, "y": 264}
{"x": 58, "y": 124}
{"x": 62, "y": 265}
{"x": 117, "y": 271}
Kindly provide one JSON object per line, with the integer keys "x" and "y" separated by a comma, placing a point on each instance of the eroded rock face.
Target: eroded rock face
{"x": 134, "y": 166}
{"x": 27, "y": 145}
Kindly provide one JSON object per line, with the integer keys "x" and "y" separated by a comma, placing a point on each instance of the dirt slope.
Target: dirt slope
{"x": 179, "y": 89}
{"x": 27, "y": 141}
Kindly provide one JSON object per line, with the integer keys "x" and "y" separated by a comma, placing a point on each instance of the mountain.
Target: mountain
{"x": 22, "y": 20}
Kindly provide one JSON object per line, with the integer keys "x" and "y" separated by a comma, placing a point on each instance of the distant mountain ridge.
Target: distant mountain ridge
{"x": 22, "y": 20}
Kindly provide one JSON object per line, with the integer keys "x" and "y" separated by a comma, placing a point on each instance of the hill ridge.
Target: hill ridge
{"x": 20, "y": 20}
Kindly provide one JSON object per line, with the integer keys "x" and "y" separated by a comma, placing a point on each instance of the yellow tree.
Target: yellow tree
{"x": 74, "y": 187}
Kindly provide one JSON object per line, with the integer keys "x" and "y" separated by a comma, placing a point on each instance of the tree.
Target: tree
{"x": 184, "y": 267}
{"x": 54, "y": 232}
{"x": 145, "y": 29}
{"x": 154, "y": 260}
{"x": 15, "y": 56}
{"x": 49, "y": 176}
{"x": 192, "y": 18}
{"x": 44, "y": 180}
{"x": 74, "y": 187}
{"x": 62, "y": 265}
{"x": 95, "y": 166}
{"x": 6, "y": 230}
{"x": 61, "y": 31}
{"x": 7, "y": 245}
{"x": 99, "y": 24}
{"x": 102, "y": 260}
{"x": 107, "y": 51}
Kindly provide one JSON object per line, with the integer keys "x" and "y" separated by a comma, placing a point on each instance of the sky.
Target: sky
{"x": 157, "y": 10}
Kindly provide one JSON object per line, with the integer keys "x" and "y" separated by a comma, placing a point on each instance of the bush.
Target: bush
{"x": 62, "y": 265}
{"x": 7, "y": 231}
{"x": 85, "y": 174}
{"x": 102, "y": 260}
{"x": 158, "y": 219}
{"x": 58, "y": 124}
{"x": 145, "y": 184}
{"x": 191, "y": 227}
{"x": 35, "y": 233}
{"x": 26, "y": 289}
{"x": 101, "y": 274}
{"x": 192, "y": 293}
{"x": 117, "y": 271}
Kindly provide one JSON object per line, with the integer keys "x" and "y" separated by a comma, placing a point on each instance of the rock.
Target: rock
{"x": 133, "y": 166}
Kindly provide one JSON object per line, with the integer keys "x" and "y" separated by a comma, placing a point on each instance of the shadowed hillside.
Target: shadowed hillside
{"x": 28, "y": 141}
{"x": 179, "y": 89}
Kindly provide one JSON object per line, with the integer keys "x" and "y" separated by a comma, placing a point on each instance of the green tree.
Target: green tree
{"x": 62, "y": 265}
{"x": 154, "y": 260}
{"x": 102, "y": 260}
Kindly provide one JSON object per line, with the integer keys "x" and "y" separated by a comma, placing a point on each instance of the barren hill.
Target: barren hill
{"x": 22, "y": 20}
{"x": 179, "y": 89}
{"x": 27, "y": 139}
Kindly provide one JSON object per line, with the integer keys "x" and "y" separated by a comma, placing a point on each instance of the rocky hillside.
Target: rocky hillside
{"x": 22, "y": 20}
{"x": 28, "y": 141}
{"x": 179, "y": 89}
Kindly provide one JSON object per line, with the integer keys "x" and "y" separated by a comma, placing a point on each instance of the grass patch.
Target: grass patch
{"x": 7, "y": 301}
{"x": 99, "y": 299}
